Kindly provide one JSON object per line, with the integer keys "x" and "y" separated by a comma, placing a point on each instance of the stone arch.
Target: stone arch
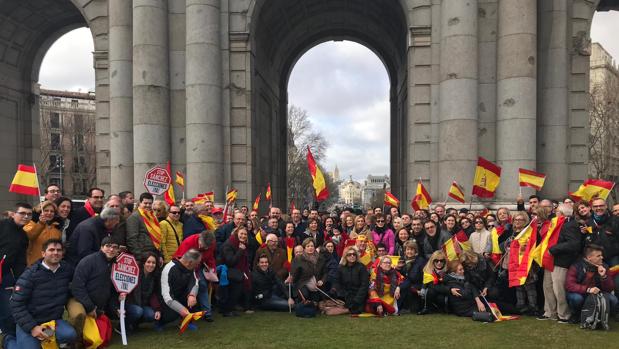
{"x": 280, "y": 32}
{"x": 27, "y": 29}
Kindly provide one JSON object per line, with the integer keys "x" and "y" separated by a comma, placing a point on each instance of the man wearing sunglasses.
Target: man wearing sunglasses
{"x": 13, "y": 246}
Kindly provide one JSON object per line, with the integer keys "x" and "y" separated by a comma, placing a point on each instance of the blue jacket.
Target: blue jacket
{"x": 92, "y": 284}
{"x": 86, "y": 239}
{"x": 40, "y": 295}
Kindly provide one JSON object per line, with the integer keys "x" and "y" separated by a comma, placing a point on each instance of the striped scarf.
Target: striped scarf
{"x": 152, "y": 225}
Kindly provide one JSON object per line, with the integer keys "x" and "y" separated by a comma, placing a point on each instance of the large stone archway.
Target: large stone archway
{"x": 27, "y": 30}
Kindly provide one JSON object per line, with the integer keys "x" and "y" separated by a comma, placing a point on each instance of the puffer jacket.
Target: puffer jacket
{"x": 171, "y": 238}
{"x": 40, "y": 295}
{"x": 352, "y": 283}
{"x": 92, "y": 285}
{"x": 38, "y": 233}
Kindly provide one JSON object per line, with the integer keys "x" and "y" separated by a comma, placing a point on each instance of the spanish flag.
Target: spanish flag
{"x": 180, "y": 179}
{"x": 456, "y": 192}
{"x": 318, "y": 180}
{"x": 152, "y": 226}
{"x": 430, "y": 278}
{"x": 25, "y": 181}
{"x": 521, "y": 253}
{"x": 549, "y": 235}
{"x": 168, "y": 196}
{"x": 231, "y": 195}
{"x": 267, "y": 195}
{"x": 256, "y": 203}
{"x": 191, "y": 317}
{"x": 204, "y": 197}
{"x": 290, "y": 243}
{"x": 531, "y": 179}
{"x": 487, "y": 178}
{"x": 454, "y": 246}
{"x": 496, "y": 253}
{"x": 391, "y": 200}
{"x": 422, "y": 199}
{"x": 593, "y": 188}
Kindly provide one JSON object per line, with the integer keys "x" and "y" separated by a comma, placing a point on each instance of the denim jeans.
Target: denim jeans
{"x": 274, "y": 303}
{"x": 65, "y": 333}
{"x": 203, "y": 294}
{"x": 576, "y": 301}
{"x": 136, "y": 314}
{"x": 7, "y": 324}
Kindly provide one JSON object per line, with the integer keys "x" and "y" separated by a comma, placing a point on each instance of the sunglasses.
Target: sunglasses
{"x": 439, "y": 261}
{"x": 380, "y": 221}
{"x": 175, "y": 212}
{"x": 350, "y": 254}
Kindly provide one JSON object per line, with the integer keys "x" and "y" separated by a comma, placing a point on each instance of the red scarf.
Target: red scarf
{"x": 89, "y": 209}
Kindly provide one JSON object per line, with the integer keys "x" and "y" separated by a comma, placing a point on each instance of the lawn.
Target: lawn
{"x": 277, "y": 330}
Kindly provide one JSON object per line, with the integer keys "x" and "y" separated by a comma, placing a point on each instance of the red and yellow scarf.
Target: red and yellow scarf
{"x": 152, "y": 225}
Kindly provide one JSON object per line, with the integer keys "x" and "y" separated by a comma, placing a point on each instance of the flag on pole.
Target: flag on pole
{"x": 168, "y": 196}
{"x": 593, "y": 188}
{"x": 496, "y": 253}
{"x": 549, "y": 237}
{"x": 531, "y": 179}
{"x": 25, "y": 181}
{"x": 456, "y": 192}
{"x": 454, "y": 246}
{"x": 521, "y": 253}
{"x": 267, "y": 195}
{"x": 256, "y": 204}
{"x": 180, "y": 179}
{"x": 487, "y": 178}
{"x": 231, "y": 195}
{"x": 318, "y": 180}
{"x": 391, "y": 200}
{"x": 422, "y": 199}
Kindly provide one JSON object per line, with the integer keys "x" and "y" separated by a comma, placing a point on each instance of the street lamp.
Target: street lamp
{"x": 60, "y": 165}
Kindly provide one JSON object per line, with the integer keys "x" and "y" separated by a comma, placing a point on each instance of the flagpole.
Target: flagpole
{"x": 471, "y": 204}
{"x": 36, "y": 174}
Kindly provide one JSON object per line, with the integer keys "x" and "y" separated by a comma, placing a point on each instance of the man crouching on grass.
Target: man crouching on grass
{"x": 179, "y": 287}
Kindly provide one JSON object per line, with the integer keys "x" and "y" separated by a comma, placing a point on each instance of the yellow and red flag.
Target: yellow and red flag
{"x": 494, "y": 309}
{"x": 25, "y": 181}
{"x": 256, "y": 204}
{"x": 168, "y": 196}
{"x": 290, "y": 243}
{"x": 593, "y": 188}
{"x": 430, "y": 278}
{"x": 549, "y": 235}
{"x": 152, "y": 226}
{"x": 496, "y": 253}
{"x": 391, "y": 200}
{"x": 267, "y": 195}
{"x": 231, "y": 195}
{"x": 521, "y": 253}
{"x": 613, "y": 271}
{"x": 318, "y": 180}
{"x": 487, "y": 178}
{"x": 189, "y": 318}
{"x": 204, "y": 197}
{"x": 456, "y": 245}
{"x": 531, "y": 179}
{"x": 456, "y": 192}
{"x": 180, "y": 179}
{"x": 422, "y": 199}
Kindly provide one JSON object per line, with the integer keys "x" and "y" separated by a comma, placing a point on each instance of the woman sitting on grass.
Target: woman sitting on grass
{"x": 412, "y": 271}
{"x": 352, "y": 281}
{"x": 464, "y": 297}
{"x": 307, "y": 273}
{"x": 435, "y": 292}
{"x": 384, "y": 292}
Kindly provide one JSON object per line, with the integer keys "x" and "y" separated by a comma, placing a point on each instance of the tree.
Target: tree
{"x": 604, "y": 133}
{"x": 302, "y": 135}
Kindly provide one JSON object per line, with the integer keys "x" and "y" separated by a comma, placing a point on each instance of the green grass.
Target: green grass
{"x": 279, "y": 330}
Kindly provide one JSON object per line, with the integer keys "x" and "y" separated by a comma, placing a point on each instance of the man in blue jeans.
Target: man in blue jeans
{"x": 40, "y": 296}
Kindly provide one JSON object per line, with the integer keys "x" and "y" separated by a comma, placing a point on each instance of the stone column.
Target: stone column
{"x": 516, "y": 92}
{"x": 458, "y": 93}
{"x": 151, "y": 103}
{"x": 552, "y": 142}
{"x": 121, "y": 95}
{"x": 204, "y": 96}
{"x": 176, "y": 40}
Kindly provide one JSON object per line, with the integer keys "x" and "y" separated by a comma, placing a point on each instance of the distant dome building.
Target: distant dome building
{"x": 350, "y": 192}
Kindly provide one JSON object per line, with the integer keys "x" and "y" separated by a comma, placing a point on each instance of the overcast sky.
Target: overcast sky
{"x": 343, "y": 86}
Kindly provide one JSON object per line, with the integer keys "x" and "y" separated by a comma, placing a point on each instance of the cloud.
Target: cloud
{"x": 604, "y": 29}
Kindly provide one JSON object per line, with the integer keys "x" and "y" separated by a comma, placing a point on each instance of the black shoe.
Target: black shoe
{"x": 574, "y": 320}
{"x": 563, "y": 321}
{"x": 209, "y": 319}
{"x": 423, "y": 311}
{"x": 543, "y": 317}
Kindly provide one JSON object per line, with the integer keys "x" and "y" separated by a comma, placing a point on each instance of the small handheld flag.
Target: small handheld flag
{"x": 593, "y": 188}
{"x": 267, "y": 195}
{"x": 391, "y": 200}
{"x": 25, "y": 181}
{"x": 256, "y": 203}
{"x": 422, "y": 199}
{"x": 487, "y": 178}
{"x": 531, "y": 179}
{"x": 318, "y": 180}
{"x": 456, "y": 192}
{"x": 169, "y": 196}
{"x": 180, "y": 179}
{"x": 231, "y": 195}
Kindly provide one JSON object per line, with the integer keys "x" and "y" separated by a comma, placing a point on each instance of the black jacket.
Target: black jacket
{"x": 414, "y": 274}
{"x": 352, "y": 284}
{"x": 222, "y": 234}
{"x": 568, "y": 246}
{"x": 606, "y": 234}
{"x": 302, "y": 271}
{"x": 92, "y": 285}
{"x": 266, "y": 283}
{"x": 464, "y": 305}
{"x": 86, "y": 239}
{"x": 40, "y": 295}
{"x": 77, "y": 216}
{"x": 13, "y": 245}
{"x": 481, "y": 275}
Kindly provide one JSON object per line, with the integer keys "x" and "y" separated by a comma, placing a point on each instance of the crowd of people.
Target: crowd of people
{"x": 379, "y": 262}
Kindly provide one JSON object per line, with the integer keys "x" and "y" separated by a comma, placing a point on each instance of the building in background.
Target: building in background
{"x": 604, "y": 116}
{"x": 350, "y": 192}
{"x": 374, "y": 190}
{"x": 68, "y": 158}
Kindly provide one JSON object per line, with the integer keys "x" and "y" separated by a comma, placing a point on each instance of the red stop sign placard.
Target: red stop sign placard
{"x": 125, "y": 273}
{"x": 157, "y": 180}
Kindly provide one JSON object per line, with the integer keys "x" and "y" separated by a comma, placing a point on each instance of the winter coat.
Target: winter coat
{"x": 77, "y": 216}
{"x": 208, "y": 255}
{"x": 38, "y": 233}
{"x": 146, "y": 293}
{"x": 171, "y": 237}
{"x": 177, "y": 283}
{"x": 351, "y": 284}
{"x": 387, "y": 238}
{"x": 481, "y": 275}
{"x": 481, "y": 242}
{"x": 606, "y": 234}
{"x": 266, "y": 283}
{"x": 464, "y": 305}
{"x": 40, "y": 295}
{"x": 222, "y": 234}
{"x": 435, "y": 243}
{"x": 92, "y": 285}
{"x": 276, "y": 258}
{"x": 583, "y": 275}
{"x": 413, "y": 273}
{"x": 86, "y": 239}
{"x": 568, "y": 246}
{"x": 237, "y": 262}
{"x": 13, "y": 245}
{"x": 138, "y": 238}
{"x": 192, "y": 225}
{"x": 302, "y": 270}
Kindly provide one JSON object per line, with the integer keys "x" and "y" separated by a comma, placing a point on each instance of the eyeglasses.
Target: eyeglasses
{"x": 25, "y": 214}
{"x": 175, "y": 212}
{"x": 97, "y": 197}
{"x": 380, "y": 221}
{"x": 439, "y": 261}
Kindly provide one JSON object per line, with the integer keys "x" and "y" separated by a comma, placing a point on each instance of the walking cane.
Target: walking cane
{"x": 289, "y": 295}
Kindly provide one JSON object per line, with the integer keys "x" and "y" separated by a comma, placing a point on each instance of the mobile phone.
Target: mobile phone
{"x": 48, "y": 331}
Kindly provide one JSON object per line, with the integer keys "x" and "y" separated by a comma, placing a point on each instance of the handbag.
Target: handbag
{"x": 210, "y": 275}
{"x": 483, "y": 316}
{"x": 329, "y": 307}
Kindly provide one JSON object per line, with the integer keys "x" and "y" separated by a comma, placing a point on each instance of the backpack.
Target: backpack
{"x": 595, "y": 312}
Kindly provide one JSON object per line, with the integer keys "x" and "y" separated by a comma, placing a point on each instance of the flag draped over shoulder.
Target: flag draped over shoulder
{"x": 256, "y": 204}
{"x": 422, "y": 199}
{"x": 25, "y": 181}
{"x": 487, "y": 178}
{"x": 549, "y": 236}
{"x": 531, "y": 179}
{"x": 456, "y": 245}
{"x": 318, "y": 180}
{"x": 152, "y": 225}
{"x": 168, "y": 196}
{"x": 593, "y": 188}
{"x": 456, "y": 192}
{"x": 521, "y": 253}
{"x": 391, "y": 200}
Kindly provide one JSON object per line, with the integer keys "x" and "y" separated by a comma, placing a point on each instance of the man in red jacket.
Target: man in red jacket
{"x": 589, "y": 276}
{"x": 205, "y": 243}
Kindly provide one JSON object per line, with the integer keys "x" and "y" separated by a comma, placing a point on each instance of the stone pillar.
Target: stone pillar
{"x": 121, "y": 95}
{"x": 458, "y": 93}
{"x": 151, "y": 102}
{"x": 516, "y": 92}
{"x": 487, "y": 78}
{"x": 552, "y": 142}
{"x": 204, "y": 97}
{"x": 176, "y": 40}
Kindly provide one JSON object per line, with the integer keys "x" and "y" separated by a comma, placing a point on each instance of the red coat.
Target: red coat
{"x": 578, "y": 279}
{"x": 208, "y": 256}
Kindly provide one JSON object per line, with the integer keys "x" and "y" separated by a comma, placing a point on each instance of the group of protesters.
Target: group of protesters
{"x": 379, "y": 262}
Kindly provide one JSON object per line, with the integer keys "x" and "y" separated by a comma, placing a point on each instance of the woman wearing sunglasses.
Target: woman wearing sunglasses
{"x": 352, "y": 281}
{"x": 383, "y": 234}
{"x": 434, "y": 291}
{"x": 480, "y": 238}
